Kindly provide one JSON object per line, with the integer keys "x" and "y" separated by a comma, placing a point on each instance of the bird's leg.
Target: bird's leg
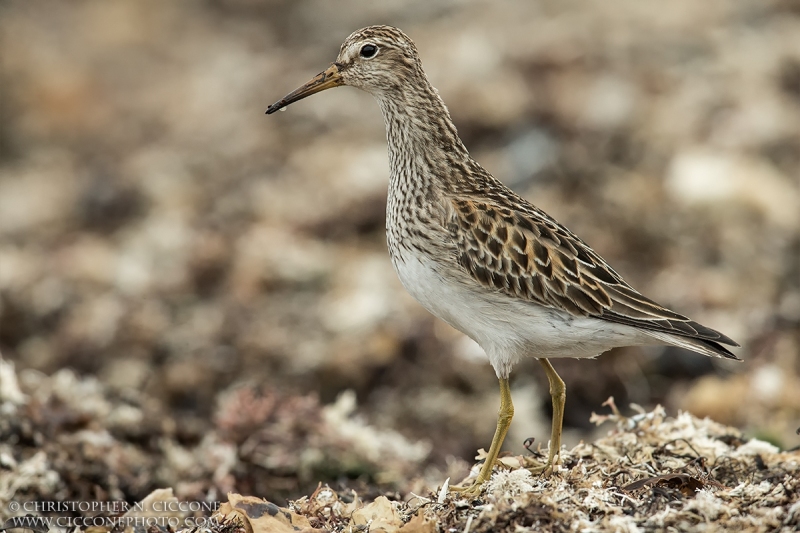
{"x": 558, "y": 392}
{"x": 504, "y": 417}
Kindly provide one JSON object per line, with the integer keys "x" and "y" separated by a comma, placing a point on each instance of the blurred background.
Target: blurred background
{"x": 223, "y": 275}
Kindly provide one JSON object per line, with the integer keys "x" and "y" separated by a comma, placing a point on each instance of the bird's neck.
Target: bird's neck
{"x": 424, "y": 145}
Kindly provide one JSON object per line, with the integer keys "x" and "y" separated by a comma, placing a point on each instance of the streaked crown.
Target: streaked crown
{"x": 378, "y": 59}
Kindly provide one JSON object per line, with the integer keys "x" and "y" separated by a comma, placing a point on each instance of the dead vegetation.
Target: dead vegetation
{"x": 66, "y": 438}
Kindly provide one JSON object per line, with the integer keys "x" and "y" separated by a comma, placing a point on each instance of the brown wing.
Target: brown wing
{"x": 528, "y": 255}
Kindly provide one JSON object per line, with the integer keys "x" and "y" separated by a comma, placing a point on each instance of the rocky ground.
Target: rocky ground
{"x": 196, "y": 296}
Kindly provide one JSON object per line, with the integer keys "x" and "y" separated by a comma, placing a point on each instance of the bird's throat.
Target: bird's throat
{"x": 423, "y": 142}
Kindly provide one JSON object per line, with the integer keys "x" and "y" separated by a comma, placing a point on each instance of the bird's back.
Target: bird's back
{"x": 499, "y": 269}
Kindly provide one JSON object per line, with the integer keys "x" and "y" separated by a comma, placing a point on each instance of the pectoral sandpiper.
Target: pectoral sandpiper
{"x": 480, "y": 257}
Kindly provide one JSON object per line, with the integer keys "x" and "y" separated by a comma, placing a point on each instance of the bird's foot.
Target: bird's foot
{"x": 538, "y": 468}
{"x": 541, "y": 470}
{"x": 471, "y": 491}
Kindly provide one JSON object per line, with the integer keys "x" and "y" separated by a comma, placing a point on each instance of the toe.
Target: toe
{"x": 472, "y": 491}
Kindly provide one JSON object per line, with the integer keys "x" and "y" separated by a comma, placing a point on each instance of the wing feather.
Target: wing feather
{"x": 526, "y": 254}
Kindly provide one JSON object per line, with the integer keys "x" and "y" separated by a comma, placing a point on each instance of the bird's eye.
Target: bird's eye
{"x": 368, "y": 51}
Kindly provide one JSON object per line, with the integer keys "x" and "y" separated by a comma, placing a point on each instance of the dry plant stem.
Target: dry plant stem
{"x": 504, "y": 417}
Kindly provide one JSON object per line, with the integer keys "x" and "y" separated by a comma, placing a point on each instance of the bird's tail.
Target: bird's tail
{"x": 703, "y": 346}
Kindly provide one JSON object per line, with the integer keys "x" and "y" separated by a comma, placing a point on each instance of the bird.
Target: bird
{"x": 482, "y": 258}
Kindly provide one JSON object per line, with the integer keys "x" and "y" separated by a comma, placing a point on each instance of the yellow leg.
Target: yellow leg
{"x": 558, "y": 392}
{"x": 503, "y": 422}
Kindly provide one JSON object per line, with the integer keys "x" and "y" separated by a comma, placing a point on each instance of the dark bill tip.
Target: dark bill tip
{"x": 277, "y": 106}
{"x": 324, "y": 80}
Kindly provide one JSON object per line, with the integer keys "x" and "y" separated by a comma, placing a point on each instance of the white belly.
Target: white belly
{"x": 506, "y": 328}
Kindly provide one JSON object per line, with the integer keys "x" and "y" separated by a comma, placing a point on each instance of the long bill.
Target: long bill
{"x": 330, "y": 77}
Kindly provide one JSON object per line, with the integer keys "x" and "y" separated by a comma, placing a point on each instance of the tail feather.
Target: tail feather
{"x": 703, "y": 346}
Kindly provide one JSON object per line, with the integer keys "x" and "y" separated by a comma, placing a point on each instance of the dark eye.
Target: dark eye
{"x": 368, "y": 51}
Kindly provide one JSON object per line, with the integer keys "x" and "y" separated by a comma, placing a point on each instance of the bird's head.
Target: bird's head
{"x": 376, "y": 59}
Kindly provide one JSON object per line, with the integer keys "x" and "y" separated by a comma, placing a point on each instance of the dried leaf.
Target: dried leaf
{"x": 688, "y": 485}
{"x": 510, "y": 462}
{"x": 261, "y": 516}
{"x": 419, "y": 524}
{"x": 380, "y": 515}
